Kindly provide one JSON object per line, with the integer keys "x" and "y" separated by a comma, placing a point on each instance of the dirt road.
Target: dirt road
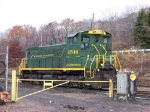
{"x": 70, "y": 100}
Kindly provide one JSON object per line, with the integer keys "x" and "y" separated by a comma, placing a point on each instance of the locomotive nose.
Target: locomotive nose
{"x": 107, "y": 65}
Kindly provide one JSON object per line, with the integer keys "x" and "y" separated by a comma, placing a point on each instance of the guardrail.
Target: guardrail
{"x": 130, "y": 51}
{"x": 14, "y": 88}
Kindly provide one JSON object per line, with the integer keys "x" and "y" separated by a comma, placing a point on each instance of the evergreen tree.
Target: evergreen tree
{"x": 141, "y": 30}
{"x": 148, "y": 30}
{"x": 148, "y": 18}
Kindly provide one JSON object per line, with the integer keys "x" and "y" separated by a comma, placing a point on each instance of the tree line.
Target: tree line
{"x": 124, "y": 28}
{"x": 142, "y": 29}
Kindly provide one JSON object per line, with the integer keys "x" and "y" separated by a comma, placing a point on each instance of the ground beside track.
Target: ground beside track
{"x": 70, "y": 100}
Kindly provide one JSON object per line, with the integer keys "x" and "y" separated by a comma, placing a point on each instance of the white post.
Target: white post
{"x": 6, "y": 78}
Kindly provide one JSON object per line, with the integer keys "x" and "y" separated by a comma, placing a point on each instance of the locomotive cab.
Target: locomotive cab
{"x": 92, "y": 50}
{"x": 94, "y": 43}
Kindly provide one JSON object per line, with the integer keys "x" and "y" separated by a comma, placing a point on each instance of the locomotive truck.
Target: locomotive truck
{"x": 84, "y": 56}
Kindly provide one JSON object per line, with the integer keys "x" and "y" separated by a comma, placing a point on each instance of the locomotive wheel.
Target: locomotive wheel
{"x": 41, "y": 83}
{"x": 33, "y": 77}
{"x": 80, "y": 85}
{"x": 96, "y": 85}
{"x": 21, "y": 77}
{"x": 70, "y": 85}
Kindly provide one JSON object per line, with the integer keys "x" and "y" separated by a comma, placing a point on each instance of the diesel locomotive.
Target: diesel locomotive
{"x": 84, "y": 56}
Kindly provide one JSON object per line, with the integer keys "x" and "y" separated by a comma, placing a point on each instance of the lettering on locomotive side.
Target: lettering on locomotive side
{"x": 73, "y": 64}
{"x": 72, "y": 51}
{"x": 38, "y": 56}
{"x": 46, "y": 55}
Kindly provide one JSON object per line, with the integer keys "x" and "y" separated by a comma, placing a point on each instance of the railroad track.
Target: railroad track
{"x": 144, "y": 94}
{"x": 148, "y": 86}
{"x": 143, "y": 91}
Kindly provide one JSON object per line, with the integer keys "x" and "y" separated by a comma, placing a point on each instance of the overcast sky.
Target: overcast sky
{"x": 40, "y": 12}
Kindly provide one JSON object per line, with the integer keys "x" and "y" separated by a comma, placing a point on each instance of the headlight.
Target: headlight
{"x": 132, "y": 77}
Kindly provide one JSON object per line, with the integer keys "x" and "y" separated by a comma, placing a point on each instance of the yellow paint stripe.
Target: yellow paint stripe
{"x": 87, "y": 84}
{"x": 62, "y": 52}
{"x": 53, "y": 69}
{"x": 86, "y": 61}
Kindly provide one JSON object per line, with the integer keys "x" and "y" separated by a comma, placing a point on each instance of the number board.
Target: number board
{"x": 72, "y": 51}
{"x": 97, "y": 32}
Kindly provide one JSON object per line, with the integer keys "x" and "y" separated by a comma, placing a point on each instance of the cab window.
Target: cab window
{"x": 85, "y": 39}
{"x": 73, "y": 40}
{"x": 105, "y": 40}
{"x": 107, "y": 43}
{"x": 96, "y": 39}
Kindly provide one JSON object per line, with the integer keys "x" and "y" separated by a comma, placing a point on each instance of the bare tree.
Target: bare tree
{"x": 31, "y": 36}
{"x": 110, "y": 16}
{"x": 48, "y": 32}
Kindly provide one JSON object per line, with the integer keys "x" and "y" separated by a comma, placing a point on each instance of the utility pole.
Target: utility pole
{"x": 92, "y": 23}
{"x": 41, "y": 38}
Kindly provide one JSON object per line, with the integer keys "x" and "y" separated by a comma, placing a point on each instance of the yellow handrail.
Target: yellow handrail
{"x": 97, "y": 57}
{"x": 85, "y": 65}
{"x": 90, "y": 67}
{"x": 96, "y": 49}
{"x": 103, "y": 60}
{"x": 86, "y": 61}
{"x": 104, "y": 49}
{"x": 116, "y": 61}
{"x": 119, "y": 63}
{"x": 22, "y": 64}
{"x": 96, "y": 61}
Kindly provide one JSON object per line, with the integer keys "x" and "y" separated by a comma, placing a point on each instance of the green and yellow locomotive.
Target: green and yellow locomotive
{"x": 85, "y": 55}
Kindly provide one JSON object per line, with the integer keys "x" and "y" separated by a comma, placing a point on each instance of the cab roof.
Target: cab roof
{"x": 98, "y": 32}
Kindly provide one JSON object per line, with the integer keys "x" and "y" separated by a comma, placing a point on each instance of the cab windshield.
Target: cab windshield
{"x": 107, "y": 43}
{"x": 96, "y": 39}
